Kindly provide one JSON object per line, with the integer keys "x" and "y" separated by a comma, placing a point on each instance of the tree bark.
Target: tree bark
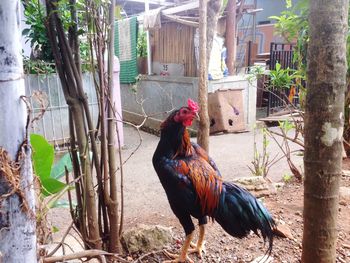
{"x": 209, "y": 13}
{"x": 326, "y": 76}
{"x": 203, "y": 127}
{"x": 17, "y": 220}
{"x": 231, "y": 36}
{"x": 114, "y": 240}
{"x": 213, "y": 10}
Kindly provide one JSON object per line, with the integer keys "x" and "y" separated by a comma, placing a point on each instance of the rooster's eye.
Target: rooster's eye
{"x": 185, "y": 111}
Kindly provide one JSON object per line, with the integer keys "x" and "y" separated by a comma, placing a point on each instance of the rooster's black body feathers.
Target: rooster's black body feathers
{"x": 194, "y": 187}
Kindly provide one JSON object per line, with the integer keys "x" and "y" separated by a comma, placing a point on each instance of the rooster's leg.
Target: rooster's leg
{"x": 199, "y": 248}
{"x": 183, "y": 257}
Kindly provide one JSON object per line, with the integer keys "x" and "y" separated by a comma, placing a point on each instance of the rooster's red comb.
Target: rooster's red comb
{"x": 192, "y": 105}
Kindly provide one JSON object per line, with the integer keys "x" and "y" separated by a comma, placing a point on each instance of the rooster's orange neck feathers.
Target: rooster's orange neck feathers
{"x": 207, "y": 187}
{"x": 185, "y": 148}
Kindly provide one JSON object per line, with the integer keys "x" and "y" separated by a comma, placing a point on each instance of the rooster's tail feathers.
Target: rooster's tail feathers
{"x": 239, "y": 212}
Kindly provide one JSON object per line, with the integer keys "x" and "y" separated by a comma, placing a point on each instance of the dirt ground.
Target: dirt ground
{"x": 286, "y": 205}
{"x": 146, "y": 203}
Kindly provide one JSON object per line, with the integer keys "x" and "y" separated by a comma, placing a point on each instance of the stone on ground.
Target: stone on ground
{"x": 145, "y": 238}
{"x": 344, "y": 192}
{"x": 257, "y": 185}
{"x": 265, "y": 259}
{"x": 283, "y": 230}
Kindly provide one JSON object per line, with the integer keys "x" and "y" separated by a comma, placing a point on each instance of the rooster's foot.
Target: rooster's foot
{"x": 193, "y": 245}
{"x": 176, "y": 258}
{"x": 199, "y": 250}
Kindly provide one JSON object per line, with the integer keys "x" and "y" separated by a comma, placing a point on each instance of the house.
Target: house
{"x": 173, "y": 47}
{"x": 173, "y": 41}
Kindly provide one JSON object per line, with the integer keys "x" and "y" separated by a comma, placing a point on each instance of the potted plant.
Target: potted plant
{"x": 142, "y": 52}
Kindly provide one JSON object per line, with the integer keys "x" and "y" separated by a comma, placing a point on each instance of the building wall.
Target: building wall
{"x": 174, "y": 43}
{"x": 162, "y": 94}
{"x": 264, "y": 32}
{"x": 271, "y": 8}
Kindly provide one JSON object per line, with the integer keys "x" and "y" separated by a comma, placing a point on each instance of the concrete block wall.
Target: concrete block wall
{"x": 162, "y": 94}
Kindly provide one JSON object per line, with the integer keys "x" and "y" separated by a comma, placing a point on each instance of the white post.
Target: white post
{"x": 17, "y": 226}
{"x": 117, "y": 104}
{"x": 149, "y": 54}
{"x": 254, "y": 21}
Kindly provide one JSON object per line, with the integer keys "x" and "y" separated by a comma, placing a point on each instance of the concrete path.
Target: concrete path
{"x": 233, "y": 153}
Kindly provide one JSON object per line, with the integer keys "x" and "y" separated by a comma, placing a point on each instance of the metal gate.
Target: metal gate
{"x": 277, "y": 97}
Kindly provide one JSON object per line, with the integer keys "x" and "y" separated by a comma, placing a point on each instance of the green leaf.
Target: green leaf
{"x": 286, "y": 125}
{"x": 58, "y": 170}
{"x": 55, "y": 229}
{"x": 287, "y": 177}
{"x": 51, "y": 186}
{"x": 43, "y": 155}
{"x": 275, "y": 17}
{"x": 278, "y": 66}
{"x": 288, "y": 3}
{"x": 25, "y": 31}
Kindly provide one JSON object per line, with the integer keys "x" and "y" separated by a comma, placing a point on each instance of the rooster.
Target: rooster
{"x": 194, "y": 187}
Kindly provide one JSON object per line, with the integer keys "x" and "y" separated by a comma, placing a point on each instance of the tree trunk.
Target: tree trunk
{"x": 326, "y": 76}
{"x": 17, "y": 219}
{"x": 114, "y": 239}
{"x": 213, "y": 10}
{"x": 209, "y": 12}
{"x": 231, "y": 36}
{"x": 203, "y": 127}
{"x": 89, "y": 210}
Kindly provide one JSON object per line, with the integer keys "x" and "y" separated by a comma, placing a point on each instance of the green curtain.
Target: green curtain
{"x": 125, "y": 48}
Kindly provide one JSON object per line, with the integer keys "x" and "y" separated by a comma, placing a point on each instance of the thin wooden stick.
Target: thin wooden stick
{"x": 149, "y": 254}
{"x": 62, "y": 240}
{"x": 83, "y": 254}
{"x": 76, "y": 239}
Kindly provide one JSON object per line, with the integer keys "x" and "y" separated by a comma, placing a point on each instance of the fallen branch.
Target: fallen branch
{"x": 94, "y": 253}
{"x": 149, "y": 255}
{"x": 346, "y": 246}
